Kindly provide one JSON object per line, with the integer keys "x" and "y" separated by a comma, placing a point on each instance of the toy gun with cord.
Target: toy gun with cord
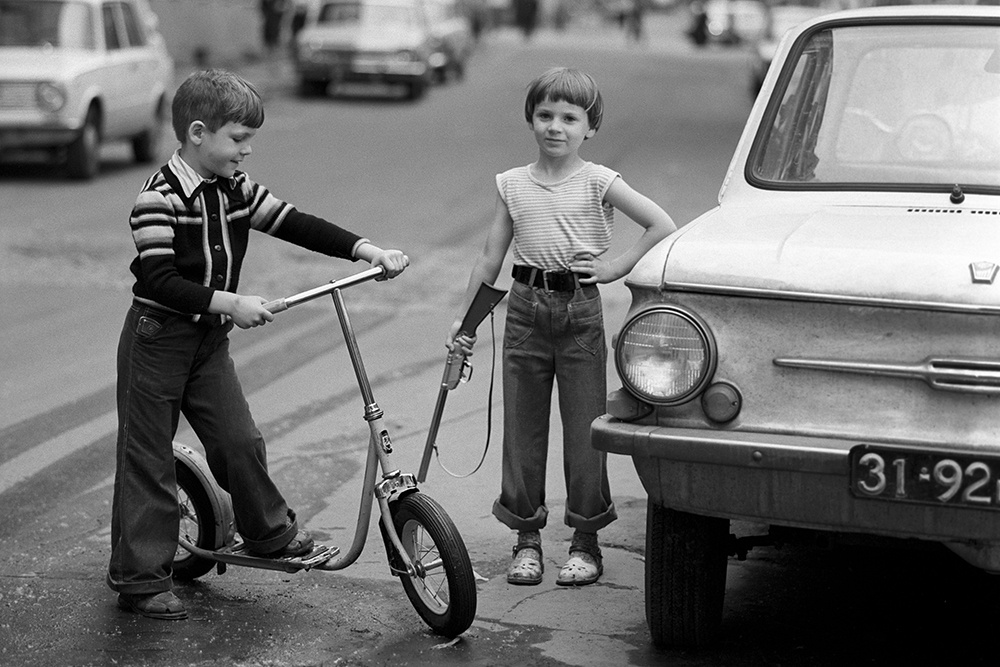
{"x": 457, "y": 363}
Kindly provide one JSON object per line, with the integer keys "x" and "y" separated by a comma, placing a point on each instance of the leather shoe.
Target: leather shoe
{"x": 164, "y": 606}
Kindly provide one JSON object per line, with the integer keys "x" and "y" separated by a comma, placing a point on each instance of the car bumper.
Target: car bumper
{"x": 785, "y": 480}
{"x": 373, "y": 71}
{"x": 36, "y": 136}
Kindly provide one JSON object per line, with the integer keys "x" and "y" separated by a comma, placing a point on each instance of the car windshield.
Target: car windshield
{"x": 345, "y": 13}
{"x": 66, "y": 25}
{"x": 874, "y": 106}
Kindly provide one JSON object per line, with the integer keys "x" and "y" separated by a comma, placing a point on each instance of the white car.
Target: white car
{"x": 819, "y": 353}
{"x": 75, "y": 74}
{"x": 367, "y": 41}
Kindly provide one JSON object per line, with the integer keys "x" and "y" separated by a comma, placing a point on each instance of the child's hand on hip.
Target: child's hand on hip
{"x": 597, "y": 268}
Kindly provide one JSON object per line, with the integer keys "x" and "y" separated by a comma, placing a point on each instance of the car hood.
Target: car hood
{"x": 362, "y": 38}
{"x": 29, "y": 64}
{"x": 874, "y": 253}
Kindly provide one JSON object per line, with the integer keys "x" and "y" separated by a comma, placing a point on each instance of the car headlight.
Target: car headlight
{"x": 665, "y": 355}
{"x": 50, "y": 96}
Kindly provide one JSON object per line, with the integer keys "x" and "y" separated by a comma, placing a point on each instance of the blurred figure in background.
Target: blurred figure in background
{"x": 272, "y": 14}
{"x": 526, "y": 16}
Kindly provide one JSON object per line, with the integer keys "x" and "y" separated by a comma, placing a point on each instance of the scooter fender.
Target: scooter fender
{"x": 222, "y": 504}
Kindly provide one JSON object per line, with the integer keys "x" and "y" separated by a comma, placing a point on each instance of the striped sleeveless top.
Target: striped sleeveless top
{"x": 555, "y": 221}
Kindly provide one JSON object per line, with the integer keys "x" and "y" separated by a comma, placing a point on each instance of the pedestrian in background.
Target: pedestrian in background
{"x": 558, "y": 212}
{"x": 191, "y": 225}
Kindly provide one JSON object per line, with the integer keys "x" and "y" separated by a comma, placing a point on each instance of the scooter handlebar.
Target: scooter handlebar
{"x": 281, "y": 305}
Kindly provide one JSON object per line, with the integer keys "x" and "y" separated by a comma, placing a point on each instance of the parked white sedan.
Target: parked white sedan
{"x": 78, "y": 73}
{"x": 820, "y": 351}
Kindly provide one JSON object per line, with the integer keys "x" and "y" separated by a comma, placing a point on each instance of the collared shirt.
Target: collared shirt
{"x": 191, "y": 234}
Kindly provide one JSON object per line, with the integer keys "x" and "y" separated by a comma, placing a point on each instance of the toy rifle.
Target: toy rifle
{"x": 455, "y": 365}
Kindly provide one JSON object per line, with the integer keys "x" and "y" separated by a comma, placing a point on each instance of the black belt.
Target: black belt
{"x": 553, "y": 281}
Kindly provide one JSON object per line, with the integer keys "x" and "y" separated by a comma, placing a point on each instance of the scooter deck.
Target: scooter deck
{"x": 237, "y": 554}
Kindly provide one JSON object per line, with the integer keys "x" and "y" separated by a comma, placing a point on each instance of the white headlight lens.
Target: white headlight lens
{"x": 50, "y": 97}
{"x": 665, "y": 356}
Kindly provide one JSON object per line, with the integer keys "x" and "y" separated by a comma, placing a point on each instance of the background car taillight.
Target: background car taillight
{"x": 50, "y": 96}
{"x": 665, "y": 355}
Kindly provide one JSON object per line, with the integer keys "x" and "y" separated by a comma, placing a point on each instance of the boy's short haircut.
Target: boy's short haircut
{"x": 216, "y": 97}
{"x": 563, "y": 84}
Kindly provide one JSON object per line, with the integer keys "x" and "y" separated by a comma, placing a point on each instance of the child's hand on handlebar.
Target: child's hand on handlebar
{"x": 393, "y": 261}
{"x": 249, "y": 311}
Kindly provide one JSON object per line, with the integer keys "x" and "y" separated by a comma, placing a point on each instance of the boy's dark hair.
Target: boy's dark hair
{"x": 563, "y": 84}
{"x": 216, "y": 97}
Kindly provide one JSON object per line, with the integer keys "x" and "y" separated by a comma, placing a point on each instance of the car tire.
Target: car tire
{"x": 416, "y": 89}
{"x": 83, "y": 159}
{"x": 146, "y": 145}
{"x": 312, "y": 88}
{"x": 686, "y": 560}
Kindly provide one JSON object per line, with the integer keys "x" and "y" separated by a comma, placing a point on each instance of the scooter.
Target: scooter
{"x": 423, "y": 546}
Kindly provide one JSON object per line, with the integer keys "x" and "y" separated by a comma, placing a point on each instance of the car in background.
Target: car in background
{"x": 75, "y": 74}
{"x": 817, "y": 355}
{"x": 366, "y": 41}
{"x": 452, "y": 31}
{"x": 779, "y": 18}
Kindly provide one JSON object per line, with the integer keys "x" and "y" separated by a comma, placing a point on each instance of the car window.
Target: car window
{"x": 371, "y": 14}
{"x": 133, "y": 29}
{"x": 112, "y": 38}
{"x": 60, "y": 24}
{"x": 887, "y": 105}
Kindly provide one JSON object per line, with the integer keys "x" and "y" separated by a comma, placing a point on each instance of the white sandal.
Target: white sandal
{"x": 526, "y": 567}
{"x": 581, "y": 569}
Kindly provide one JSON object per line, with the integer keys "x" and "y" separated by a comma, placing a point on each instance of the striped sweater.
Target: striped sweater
{"x": 555, "y": 221}
{"x": 192, "y": 237}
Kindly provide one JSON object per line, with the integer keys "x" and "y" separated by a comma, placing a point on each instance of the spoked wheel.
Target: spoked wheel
{"x": 443, "y": 590}
{"x": 205, "y": 512}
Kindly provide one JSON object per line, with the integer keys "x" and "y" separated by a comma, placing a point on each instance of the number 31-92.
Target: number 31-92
{"x": 898, "y": 476}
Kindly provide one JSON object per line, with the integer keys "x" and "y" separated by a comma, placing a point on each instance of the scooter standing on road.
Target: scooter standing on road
{"x": 423, "y": 546}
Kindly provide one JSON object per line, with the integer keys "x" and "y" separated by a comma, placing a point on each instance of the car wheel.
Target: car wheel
{"x": 686, "y": 560}
{"x": 83, "y": 159}
{"x": 312, "y": 88}
{"x": 146, "y": 145}
{"x": 416, "y": 89}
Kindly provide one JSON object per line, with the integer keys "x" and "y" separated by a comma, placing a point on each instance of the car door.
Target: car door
{"x": 130, "y": 71}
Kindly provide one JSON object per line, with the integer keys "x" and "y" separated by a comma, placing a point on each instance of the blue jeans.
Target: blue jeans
{"x": 553, "y": 336}
{"x": 168, "y": 365}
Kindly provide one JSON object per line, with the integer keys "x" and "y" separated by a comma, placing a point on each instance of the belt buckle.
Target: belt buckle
{"x": 545, "y": 280}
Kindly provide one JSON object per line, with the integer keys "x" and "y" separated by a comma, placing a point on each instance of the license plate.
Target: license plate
{"x": 954, "y": 479}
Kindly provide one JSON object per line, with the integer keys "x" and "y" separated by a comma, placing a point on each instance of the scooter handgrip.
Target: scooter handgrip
{"x": 276, "y": 306}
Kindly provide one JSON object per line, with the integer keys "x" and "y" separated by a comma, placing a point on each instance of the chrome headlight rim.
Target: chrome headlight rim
{"x": 50, "y": 96}
{"x": 707, "y": 342}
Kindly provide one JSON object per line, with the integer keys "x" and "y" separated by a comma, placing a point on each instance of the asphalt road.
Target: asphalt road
{"x": 419, "y": 177}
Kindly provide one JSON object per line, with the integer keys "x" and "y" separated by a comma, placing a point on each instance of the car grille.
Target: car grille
{"x": 14, "y": 96}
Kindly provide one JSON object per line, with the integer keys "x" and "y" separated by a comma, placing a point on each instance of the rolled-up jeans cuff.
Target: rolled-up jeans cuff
{"x": 511, "y": 520}
{"x": 278, "y": 541}
{"x": 592, "y": 524}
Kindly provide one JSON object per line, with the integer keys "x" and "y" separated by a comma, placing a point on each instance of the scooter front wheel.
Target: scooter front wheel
{"x": 443, "y": 588}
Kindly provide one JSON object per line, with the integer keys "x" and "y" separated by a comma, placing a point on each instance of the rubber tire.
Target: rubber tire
{"x": 83, "y": 159}
{"x": 686, "y": 560}
{"x": 312, "y": 88}
{"x": 446, "y": 603}
{"x": 416, "y": 89}
{"x": 147, "y": 144}
{"x": 196, "y": 514}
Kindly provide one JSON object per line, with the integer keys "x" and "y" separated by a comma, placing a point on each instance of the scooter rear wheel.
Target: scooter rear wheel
{"x": 198, "y": 524}
{"x": 443, "y": 589}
